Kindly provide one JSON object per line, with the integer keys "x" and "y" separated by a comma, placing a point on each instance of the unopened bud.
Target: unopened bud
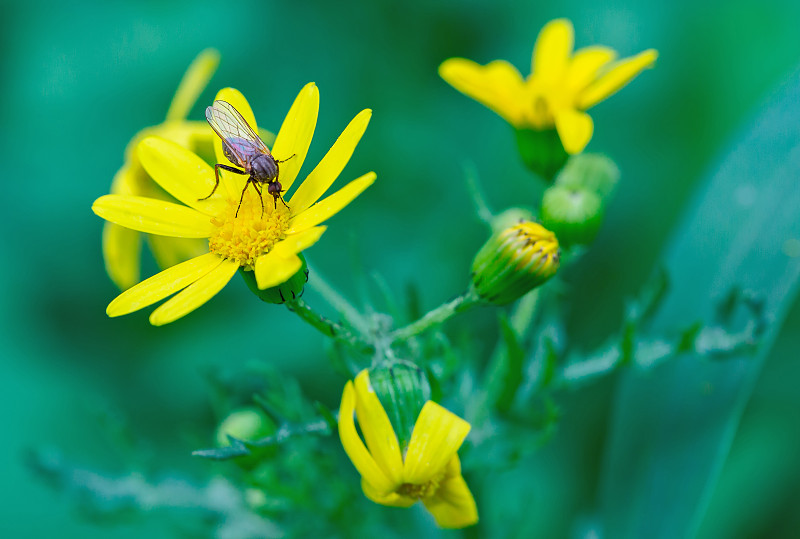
{"x": 590, "y": 172}
{"x": 575, "y": 215}
{"x": 514, "y": 261}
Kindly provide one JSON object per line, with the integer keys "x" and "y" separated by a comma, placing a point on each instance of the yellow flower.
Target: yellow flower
{"x": 122, "y": 246}
{"x": 265, "y": 241}
{"x": 427, "y": 469}
{"x": 561, "y": 87}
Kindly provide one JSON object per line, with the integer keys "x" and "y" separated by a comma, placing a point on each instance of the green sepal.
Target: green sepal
{"x": 590, "y": 172}
{"x": 403, "y": 389}
{"x": 291, "y": 289}
{"x": 541, "y": 151}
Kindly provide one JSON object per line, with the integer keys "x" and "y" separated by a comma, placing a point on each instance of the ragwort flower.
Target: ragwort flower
{"x": 561, "y": 87}
{"x": 263, "y": 238}
{"x": 425, "y": 469}
{"x": 122, "y": 246}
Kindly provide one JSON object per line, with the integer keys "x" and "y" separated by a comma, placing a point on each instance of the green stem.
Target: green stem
{"x": 437, "y": 316}
{"x": 329, "y": 328}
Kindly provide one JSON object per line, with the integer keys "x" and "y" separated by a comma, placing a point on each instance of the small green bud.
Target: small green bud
{"x": 403, "y": 389}
{"x": 514, "y": 261}
{"x": 291, "y": 289}
{"x": 510, "y": 217}
{"x": 244, "y": 424}
{"x": 575, "y": 215}
{"x": 591, "y": 172}
{"x": 541, "y": 151}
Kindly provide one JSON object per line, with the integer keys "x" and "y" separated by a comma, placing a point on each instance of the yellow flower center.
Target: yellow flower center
{"x": 252, "y": 233}
{"x": 424, "y": 490}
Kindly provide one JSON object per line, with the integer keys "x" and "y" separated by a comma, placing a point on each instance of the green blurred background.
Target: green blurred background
{"x": 80, "y": 79}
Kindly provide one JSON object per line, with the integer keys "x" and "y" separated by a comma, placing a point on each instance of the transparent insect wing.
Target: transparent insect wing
{"x": 236, "y": 134}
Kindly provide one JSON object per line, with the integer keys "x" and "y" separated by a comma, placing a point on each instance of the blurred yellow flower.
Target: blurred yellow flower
{"x": 561, "y": 87}
{"x": 122, "y": 246}
{"x": 428, "y": 469}
{"x": 265, "y": 239}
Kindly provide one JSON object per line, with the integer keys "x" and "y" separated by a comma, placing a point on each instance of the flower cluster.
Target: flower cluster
{"x": 403, "y": 444}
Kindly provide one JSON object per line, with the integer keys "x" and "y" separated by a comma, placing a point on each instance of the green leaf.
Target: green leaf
{"x": 672, "y": 427}
{"x": 505, "y": 375}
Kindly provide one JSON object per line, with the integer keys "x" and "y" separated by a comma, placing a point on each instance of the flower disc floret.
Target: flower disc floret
{"x": 254, "y": 232}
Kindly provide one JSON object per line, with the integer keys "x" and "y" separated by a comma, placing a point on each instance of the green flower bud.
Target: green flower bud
{"x": 514, "y": 261}
{"x": 403, "y": 389}
{"x": 244, "y": 424}
{"x": 510, "y": 217}
{"x": 575, "y": 215}
{"x": 291, "y": 289}
{"x": 590, "y": 172}
{"x": 541, "y": 151}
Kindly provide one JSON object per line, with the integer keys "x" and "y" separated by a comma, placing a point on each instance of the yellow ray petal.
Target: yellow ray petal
{"x": 192, "y": 84}
{"x": 233, "y": 183}
{"x": 355, "y": 448}
{"x": 296, "y": 133}
{"x": 162, "y": 285}
{"x": 326, "y": 172}
{"x": 121, "y": 253}
{"x": 392, "y": 499}
{"x": 272, "y": 269}
{"x": 196, "y": 294}
{"x": 295, "y": 243}
{"x": 437, "y": 435}
{"x": 181, "y": 173}
{"x": 585, "y": 65}
{"x": 453, "y": 505}
{"x": 575, "y": 129}
{"x": 328, "y": 207}
{"x": 169, "y": 252}
{"x": 552, "y": 51}
{"x": 153, "y": 216}
{"x": 377, "y": 429}
{"x": 617, "y": 76}
{"x": 498, "y": 85}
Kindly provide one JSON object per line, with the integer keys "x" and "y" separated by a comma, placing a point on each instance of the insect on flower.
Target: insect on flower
{"x": 243, "y": 147}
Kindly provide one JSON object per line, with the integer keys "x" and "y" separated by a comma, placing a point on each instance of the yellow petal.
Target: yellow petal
{"x": 121, "y": 253}
{"x": 192, "y": 84}
{"x": 437, "y": 435}
{"x": 195, "y": 294}
{"x": 295, "y": 243}
{"x": 575, "y": 130}
{"x": 617, "y": 76}
{"x": 323, "y": 176}
{"x": 498, "y": 85}
{"x": 181, "y": 173}
{"x": 453, "y": 505}
{"x": 162, "y": 285}
{"x": 392, "y": 499}
{"x": 585, "y": 65}
{"x": 296, "y": 133}
{"x": 355, "y": 449}
{"x": 377, "y": 429}
{"x": 552, "y": 51}
{"x": 153, "y": 216}
{"x": 233, "y": 183}
{"x": 272, "y": 269}
{"x": 328, "y": 207}
{"x": 169, "y": 252}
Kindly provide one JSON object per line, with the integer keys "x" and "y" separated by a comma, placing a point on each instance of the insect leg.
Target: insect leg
{"x": 216, "y": 176}
{"x": 284, "y": 160}
{"x": 260, "y": 190}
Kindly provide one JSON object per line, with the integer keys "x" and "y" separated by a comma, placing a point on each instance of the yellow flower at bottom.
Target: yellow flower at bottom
{"x": 265, "y": 237}
{"x": 561, "y": 87}
{"x": 427, "y": 469}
